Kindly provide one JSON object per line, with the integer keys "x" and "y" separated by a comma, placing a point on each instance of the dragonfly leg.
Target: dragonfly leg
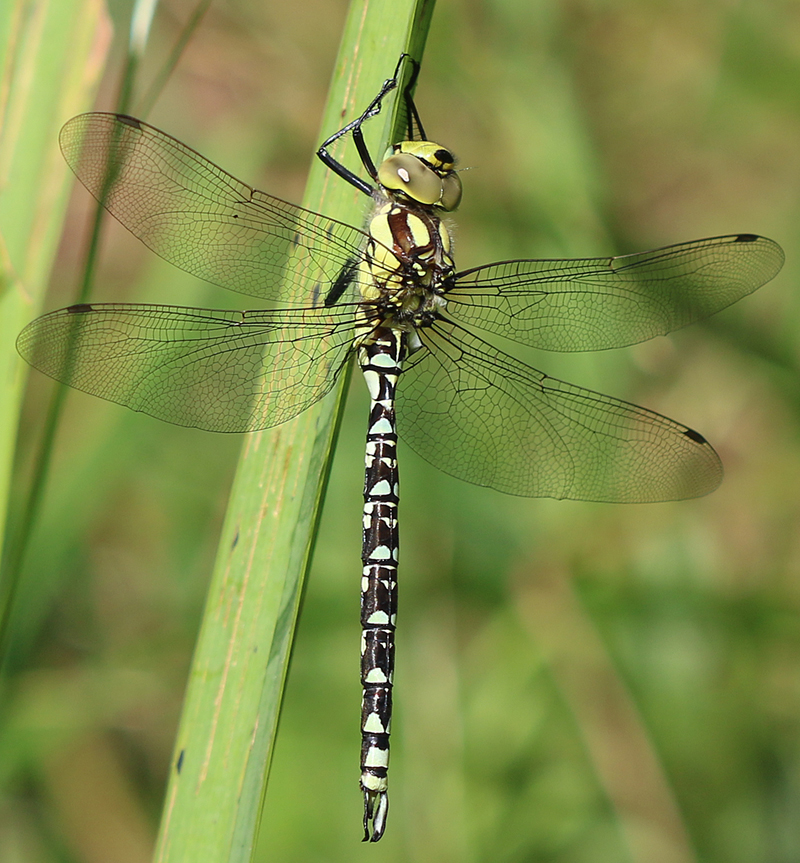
{"x": 414, "y": 128}
{"x": 354, "y": 127}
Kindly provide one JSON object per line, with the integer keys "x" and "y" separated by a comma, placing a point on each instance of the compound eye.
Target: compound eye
{"x": 451, "y": 192}
{"x": 405, "y": 173}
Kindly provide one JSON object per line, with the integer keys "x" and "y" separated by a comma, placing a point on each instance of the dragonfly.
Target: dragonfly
{"x": 390, "y": 297}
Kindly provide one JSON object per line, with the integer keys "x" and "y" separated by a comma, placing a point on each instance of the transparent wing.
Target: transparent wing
{"x": 215, "y": 370}
{"x": 203, "y": 220}
{"x": 592, "y": 304}
{"x": 482, "y": 416}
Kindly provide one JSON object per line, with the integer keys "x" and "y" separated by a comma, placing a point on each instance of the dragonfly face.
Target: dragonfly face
{"x": 423, "y": 172}
{"x": 392, "y": 296}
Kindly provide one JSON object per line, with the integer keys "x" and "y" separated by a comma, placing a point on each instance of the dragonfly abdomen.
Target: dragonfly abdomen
{"x": 380, "y": 362}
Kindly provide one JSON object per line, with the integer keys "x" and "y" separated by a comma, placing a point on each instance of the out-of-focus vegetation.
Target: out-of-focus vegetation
{"x": 576, "y": 682}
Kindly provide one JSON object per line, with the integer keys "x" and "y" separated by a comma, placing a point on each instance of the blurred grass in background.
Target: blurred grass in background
{"x": 579, "y": 683}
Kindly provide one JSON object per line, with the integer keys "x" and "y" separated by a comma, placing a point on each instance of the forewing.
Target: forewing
{"x": 482, "y": 416}
{"x": 203, "y": 220}
{"x": 591, "y": 304}
{"x": 215, "y": 370}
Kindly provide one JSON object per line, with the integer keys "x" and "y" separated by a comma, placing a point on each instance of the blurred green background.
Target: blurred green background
{"x": 576, "y": 683}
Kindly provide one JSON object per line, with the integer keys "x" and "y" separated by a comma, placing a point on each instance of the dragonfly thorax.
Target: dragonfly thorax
{"x": 406, "y": 266}
{"x": 421, "y": 172}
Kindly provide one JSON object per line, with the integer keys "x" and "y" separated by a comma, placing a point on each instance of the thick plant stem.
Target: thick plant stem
{"x": 225, "y": 743}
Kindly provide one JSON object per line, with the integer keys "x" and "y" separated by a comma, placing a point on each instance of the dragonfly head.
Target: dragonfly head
{"x": 424, "y": 172}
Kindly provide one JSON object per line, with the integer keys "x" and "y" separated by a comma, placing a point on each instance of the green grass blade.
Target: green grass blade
{"x": 18, "y": 544}
{"x": 230, "y": 717}
{"x": 144, "y": 103}
{"x": 51, "y": 57}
